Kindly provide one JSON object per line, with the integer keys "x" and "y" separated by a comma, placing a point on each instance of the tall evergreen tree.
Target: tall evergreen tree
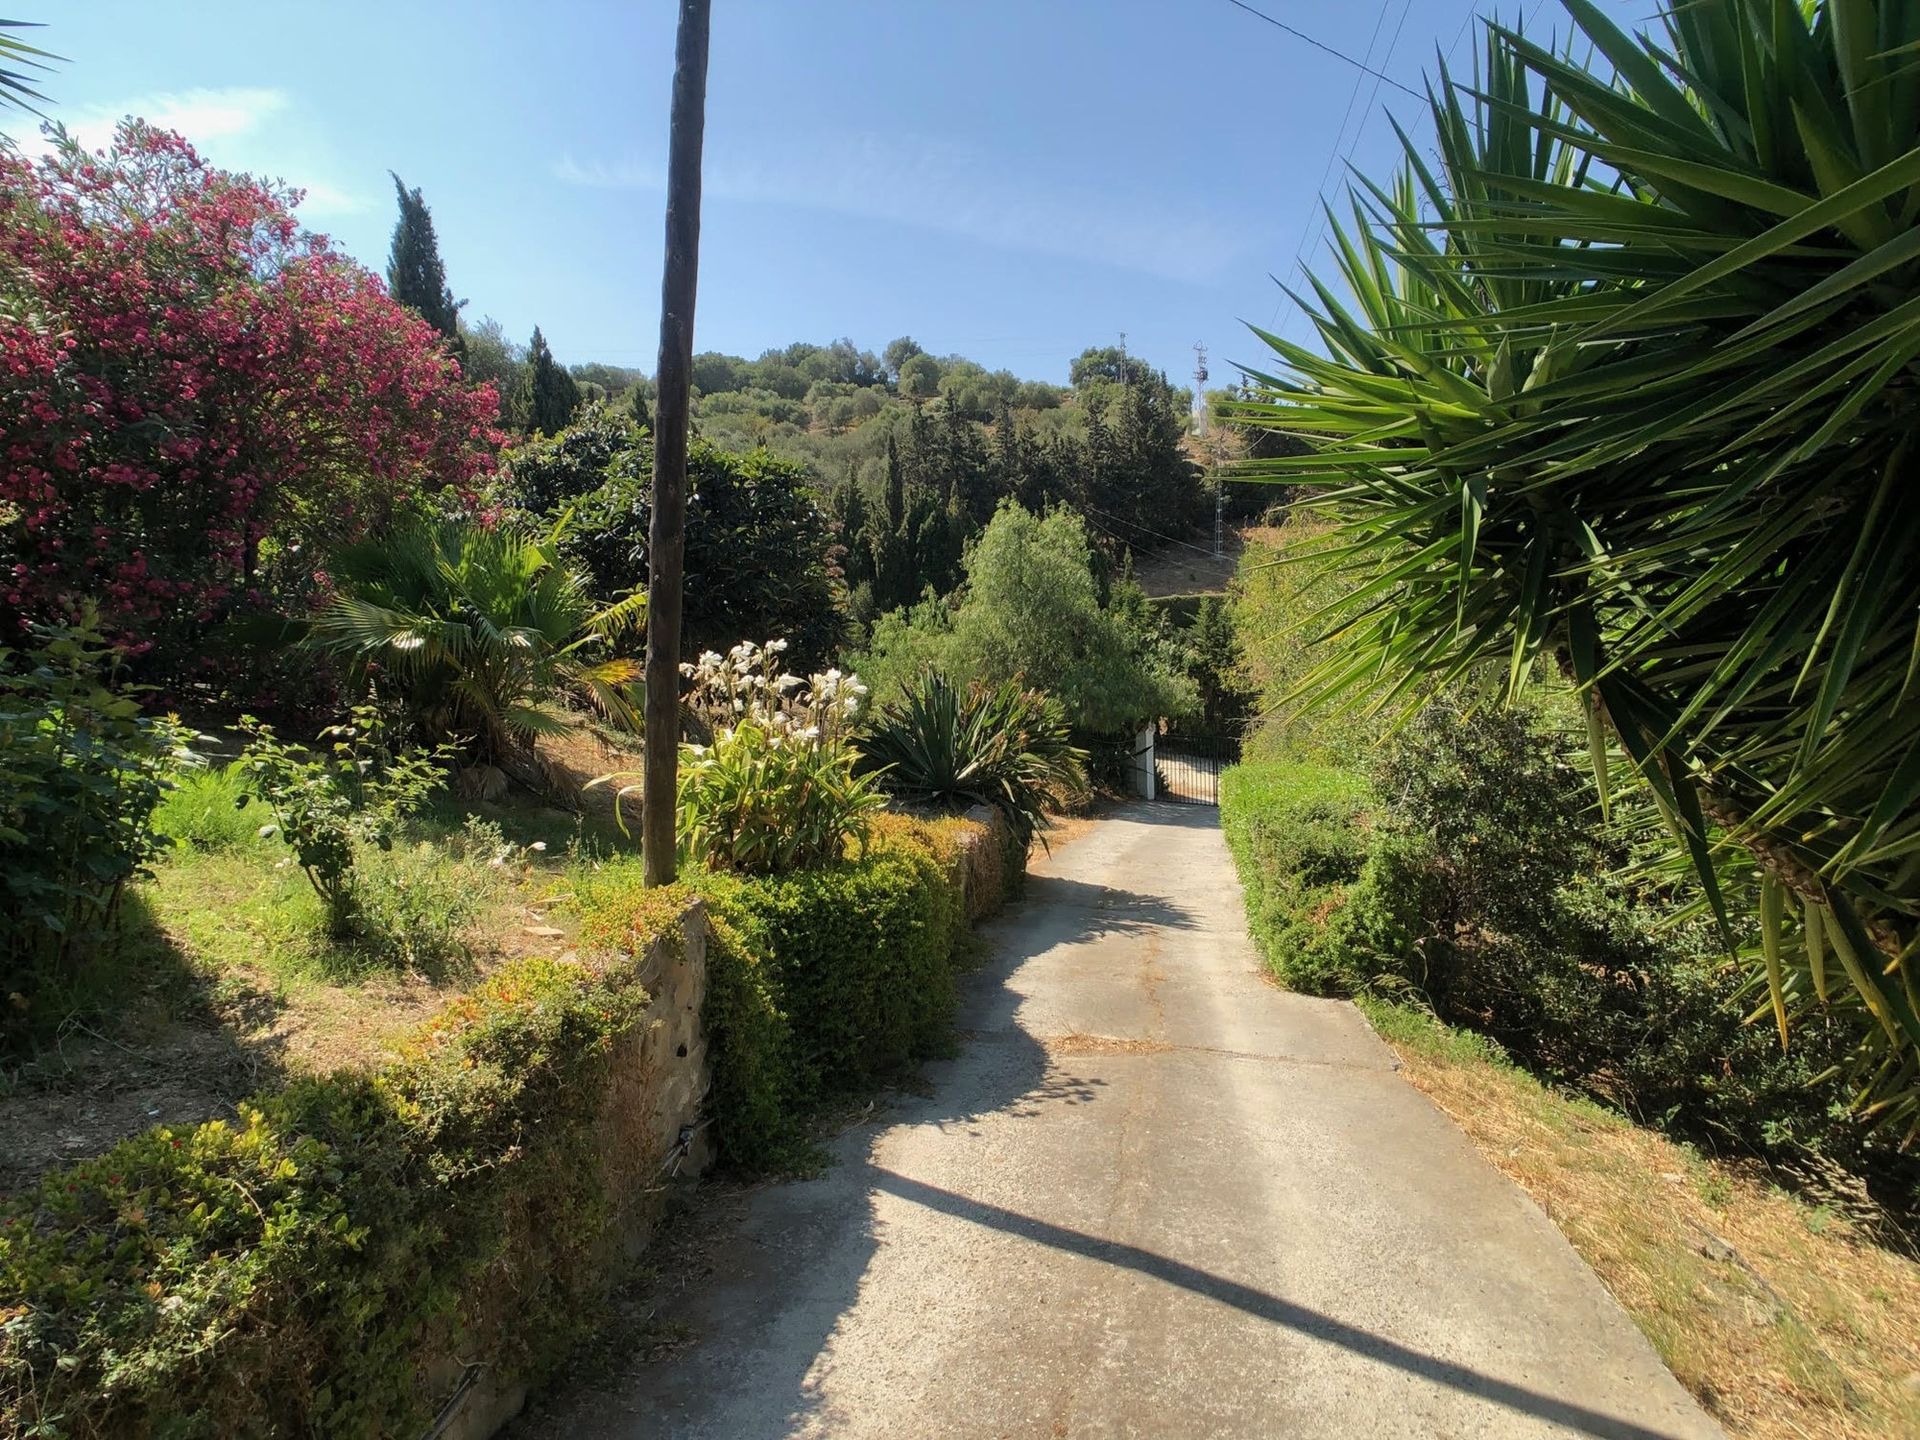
{"x": 550, "y": 393}
{"x": 415, "y": 274}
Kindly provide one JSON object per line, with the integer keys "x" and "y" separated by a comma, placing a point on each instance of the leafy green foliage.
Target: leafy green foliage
{"x": 953, "y": 747}
{"x": 1032, "y": 613}
{"x": 818, "y": 982}
{"x": 355, "y": 791}
{"x": 758, "y": 557}
{"x": 1657, "y": 425}
{"x": 1300, "y": 836}
{"x": 204, "y": 808}
{"x": 1477, "y": 885}
{"x": 478, "y": 631}
{"x": 81, "y": 770}
{"x": 860, "y": 958}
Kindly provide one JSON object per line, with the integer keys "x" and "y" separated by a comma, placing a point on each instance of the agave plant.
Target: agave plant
{"x": 1627, "y": 385}
{"x": 949, "y": 747}
{"x": 480, "y": 630}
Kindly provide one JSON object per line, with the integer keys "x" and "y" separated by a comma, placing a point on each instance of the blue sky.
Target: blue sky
{"x": 1009, "y": 179}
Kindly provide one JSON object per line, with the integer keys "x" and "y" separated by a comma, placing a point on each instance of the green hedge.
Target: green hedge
{"x": 300, "y": 1270}
{"x": 822, "y": 982}
{"x": 1301, "y": 836}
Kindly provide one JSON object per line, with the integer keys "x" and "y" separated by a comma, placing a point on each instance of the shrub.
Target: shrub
{"x": 200, "y": 400}
{"x": 81, "y": 770}
{"x": 775, "y": 790}
{"x": 322, "y": 805}
{"x": 818, "y": 982}
{"x": 1300, "y": 835}
{"x": 951, "y": 748}
{"x": 293, "y": 1271}
{"x": 478, "y": 631}
{"x": 758, "y": 555}
{"x": 1033, "y": 613}
{"x": 860, "y": 956}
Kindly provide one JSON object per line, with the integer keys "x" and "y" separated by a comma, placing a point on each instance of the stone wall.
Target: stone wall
{"x": 652, "y": 1140}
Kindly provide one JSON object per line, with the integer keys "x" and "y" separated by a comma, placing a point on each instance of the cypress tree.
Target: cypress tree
{"x": 550, "y": 393}
{"x": 414, "y": 273}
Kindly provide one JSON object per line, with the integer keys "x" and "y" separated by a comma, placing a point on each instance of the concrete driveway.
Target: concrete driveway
{"x": 1152, "y": 1196}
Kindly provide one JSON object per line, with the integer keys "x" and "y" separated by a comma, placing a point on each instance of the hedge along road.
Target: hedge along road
{"x": 1152, "y": 1195}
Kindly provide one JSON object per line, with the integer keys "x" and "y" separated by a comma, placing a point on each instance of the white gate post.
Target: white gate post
{"x": 1142, "y": 766}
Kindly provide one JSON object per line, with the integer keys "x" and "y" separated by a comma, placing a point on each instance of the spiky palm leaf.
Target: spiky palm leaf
{"x": 21, "y": 66}
{"x": 1631, "y": 382}
{"x": 481, "y": 628}
{"x": 999, "y": 745}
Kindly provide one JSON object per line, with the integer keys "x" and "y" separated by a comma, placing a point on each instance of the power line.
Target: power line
{"x": 1319, "y": 45}
{"x": 1317, "y": 226}
{"x": 1144, "y": 529}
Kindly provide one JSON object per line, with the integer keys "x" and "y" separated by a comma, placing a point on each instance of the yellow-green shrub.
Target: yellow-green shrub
{"x": 296, "y": 1271}
{"x": 822, "y": 981}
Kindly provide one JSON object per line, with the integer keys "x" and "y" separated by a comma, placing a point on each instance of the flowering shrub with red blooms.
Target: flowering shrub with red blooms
{"x": 198, "y": 400}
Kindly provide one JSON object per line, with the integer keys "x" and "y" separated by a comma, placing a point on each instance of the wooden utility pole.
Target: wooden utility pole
{"x": 666, "y": 537}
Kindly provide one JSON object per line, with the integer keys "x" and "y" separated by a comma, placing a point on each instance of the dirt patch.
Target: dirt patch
{"x": 1101, "y": 1045}
{"x": 1190, "y": 569}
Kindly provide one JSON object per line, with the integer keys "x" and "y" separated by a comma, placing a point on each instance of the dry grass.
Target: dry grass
{"x": 1784, "y": 1319}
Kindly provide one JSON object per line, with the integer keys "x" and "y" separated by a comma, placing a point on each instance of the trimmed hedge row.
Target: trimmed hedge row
{"x": 300, "y": 1270}
{"x": 823, "y": 982}
{"x": 1301, "y": 836}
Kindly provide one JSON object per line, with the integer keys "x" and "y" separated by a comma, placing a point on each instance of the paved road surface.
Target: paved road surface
{"x": 1152, "y": 1196}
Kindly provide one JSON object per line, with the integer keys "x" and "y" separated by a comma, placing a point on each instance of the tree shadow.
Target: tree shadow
{"x": 140, "y": 1038}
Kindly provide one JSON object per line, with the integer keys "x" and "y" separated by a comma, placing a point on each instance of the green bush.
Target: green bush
{"x": 295, "y": 1271}
{"x": 1479, "y": 882}
{"x": 81, "y": 771}
{"x": 775, "y": 789}
{"x": 323, "y": 804}
{"x": 820, "y": 982}
{"x": 859, "y": 955}
{"x": 1034, "y": 612}
{"x": 1300, "y": 835}
{"x": 478, "y": 631}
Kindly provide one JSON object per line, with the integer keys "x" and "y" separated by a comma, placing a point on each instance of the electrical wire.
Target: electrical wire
{"x": 1318, "y": 45}
{"x": 1145, "y": 530}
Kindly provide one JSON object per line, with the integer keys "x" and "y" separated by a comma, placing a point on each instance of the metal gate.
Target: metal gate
{"x": 1187, "y": 767}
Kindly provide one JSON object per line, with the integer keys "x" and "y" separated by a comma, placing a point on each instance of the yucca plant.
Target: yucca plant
{"x": 951, "y": 747}
{"x": 1627, "y": 386}
{"x": 479, "y": 631}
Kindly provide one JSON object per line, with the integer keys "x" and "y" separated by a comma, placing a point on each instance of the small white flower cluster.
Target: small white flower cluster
{"x": 748, "y": 685}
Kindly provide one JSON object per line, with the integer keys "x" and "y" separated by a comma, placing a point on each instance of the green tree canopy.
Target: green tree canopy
{"x": 415, "y": 273}
{"x": 549, "y": 393}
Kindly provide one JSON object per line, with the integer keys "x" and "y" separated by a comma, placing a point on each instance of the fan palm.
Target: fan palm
{"x": 480, "y": 630}
{"x": 1629, "y": 382}
{"x": 996, "y": 745}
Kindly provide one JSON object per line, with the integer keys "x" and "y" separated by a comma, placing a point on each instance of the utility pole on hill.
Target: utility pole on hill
{"x": 667, "y": 531}
{"x": 1213, "y": 463}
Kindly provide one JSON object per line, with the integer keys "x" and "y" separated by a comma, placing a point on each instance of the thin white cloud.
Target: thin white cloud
{"x": 240, "y": 127}
{"x": 952, "y": 189}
